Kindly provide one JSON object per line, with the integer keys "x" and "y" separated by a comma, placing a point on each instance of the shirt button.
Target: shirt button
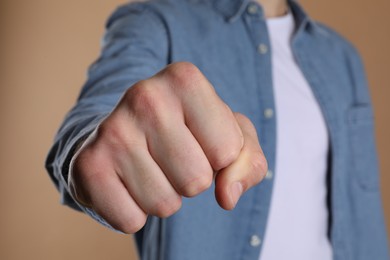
{"x": 252, "y": 9}
{"x": 255, "y": 241}
{"x": 262, "y": 48}
{"x": 269, "y": 113}
{"x": 269, "y": 175}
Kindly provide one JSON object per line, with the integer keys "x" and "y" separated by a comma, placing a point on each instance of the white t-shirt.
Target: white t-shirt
{"x": 298, "y": 218}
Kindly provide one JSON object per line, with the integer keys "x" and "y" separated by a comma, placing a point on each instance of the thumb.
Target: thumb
{"x": 246, "y": 171}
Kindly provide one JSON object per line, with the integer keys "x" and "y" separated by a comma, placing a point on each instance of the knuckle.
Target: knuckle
{"x": 223, "y": 157}
{"x": 86, "y": 169}
{"x": 109, "y": 131}
{"x": 184, "y": 75}
{"x": 131, "y": 226}
{"x": 196, "y": 185}
{"x": 242, "y": 118}
{"x": 166, "y": 207}
{"x": 146, "y": 104}
{"x": 143, "y": 97}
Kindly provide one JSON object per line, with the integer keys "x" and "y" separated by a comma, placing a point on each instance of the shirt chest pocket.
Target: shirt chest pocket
{"x": 364, "y": 165}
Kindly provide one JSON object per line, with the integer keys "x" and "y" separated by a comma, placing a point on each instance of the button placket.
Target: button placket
{"x": 262, "y": 48}
{"x": 269, "y": 175}
{"x": 255, "y": 241}
{"x": 252, "y": 9}
{"x": 268, "y": 113}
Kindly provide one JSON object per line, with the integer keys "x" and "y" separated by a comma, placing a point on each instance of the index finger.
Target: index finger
{"x": 248, "y": 170}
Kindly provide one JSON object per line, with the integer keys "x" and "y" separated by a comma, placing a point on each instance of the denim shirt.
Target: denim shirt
{"x": 228, "y": 41}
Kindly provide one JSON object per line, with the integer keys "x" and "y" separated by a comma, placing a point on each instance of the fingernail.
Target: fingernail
{"x": 236, "y": 192}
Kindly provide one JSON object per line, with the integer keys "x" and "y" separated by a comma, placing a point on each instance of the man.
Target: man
{"x": 145, "y": 135}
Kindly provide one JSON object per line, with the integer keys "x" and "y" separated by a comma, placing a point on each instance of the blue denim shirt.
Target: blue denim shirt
{"x": 222, "y": 38}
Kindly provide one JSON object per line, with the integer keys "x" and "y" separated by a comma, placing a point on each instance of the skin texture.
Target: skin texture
{"x": 168, "y": 137}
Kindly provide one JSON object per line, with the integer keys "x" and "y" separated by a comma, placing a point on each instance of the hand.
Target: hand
{"x": 167, "y": 137}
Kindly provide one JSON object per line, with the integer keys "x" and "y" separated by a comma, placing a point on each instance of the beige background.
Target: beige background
{"x": 46, "y": 45}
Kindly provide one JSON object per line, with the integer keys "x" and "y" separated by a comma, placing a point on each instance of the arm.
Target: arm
{"x": 164, "y": 138}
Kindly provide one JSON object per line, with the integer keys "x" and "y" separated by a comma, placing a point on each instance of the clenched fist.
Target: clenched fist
{"x": 168, "y": 137}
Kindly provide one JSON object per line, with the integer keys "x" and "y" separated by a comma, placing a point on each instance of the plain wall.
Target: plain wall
{"x": 45, "y": 48}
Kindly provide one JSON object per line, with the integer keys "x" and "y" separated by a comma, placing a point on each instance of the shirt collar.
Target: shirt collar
{"x": 232, "y": 9}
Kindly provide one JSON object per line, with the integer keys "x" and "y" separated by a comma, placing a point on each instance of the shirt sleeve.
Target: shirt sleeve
{"x": 135, "y": 47}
